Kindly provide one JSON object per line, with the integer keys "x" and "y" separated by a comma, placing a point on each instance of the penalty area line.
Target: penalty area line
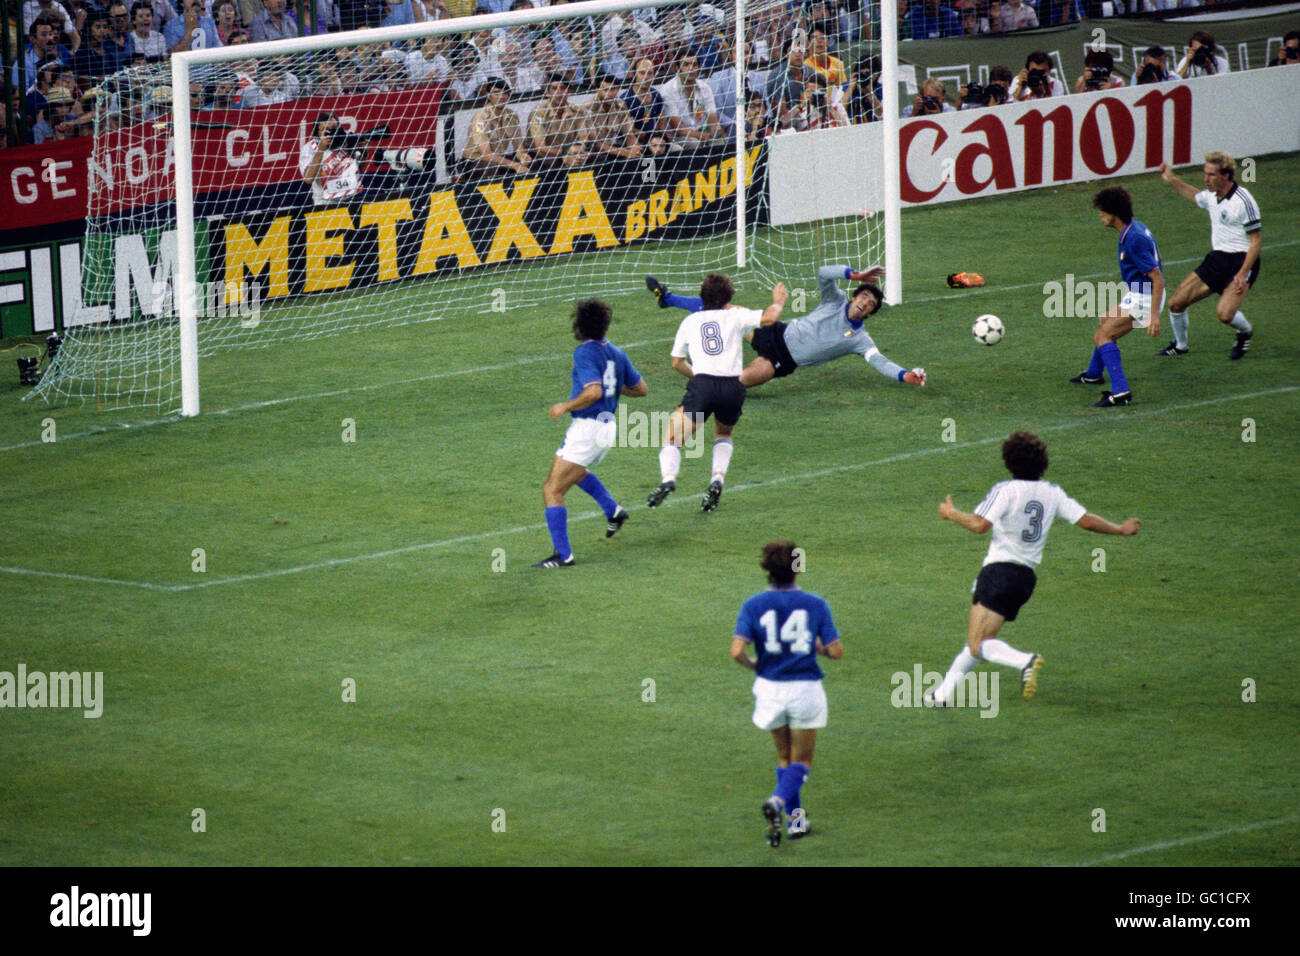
{"x": 1185, "y": 841}
{"x": 587, "y": 516}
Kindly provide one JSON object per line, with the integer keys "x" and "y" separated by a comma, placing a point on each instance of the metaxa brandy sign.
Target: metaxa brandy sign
{"x": 1063, "y": 139}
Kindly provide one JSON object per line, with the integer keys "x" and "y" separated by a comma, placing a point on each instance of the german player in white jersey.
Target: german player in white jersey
{"x": 1232, "y": 265}
{"x": 1020, "y": 512}
{"x": 708, "y": 350}
{"x": 837, "y": 327}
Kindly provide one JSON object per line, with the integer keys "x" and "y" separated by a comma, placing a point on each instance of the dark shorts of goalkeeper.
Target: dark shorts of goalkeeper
{"x": 1004, "y": 587}
{"x": 769, "y": 343}
{"x": 718, "y": 395}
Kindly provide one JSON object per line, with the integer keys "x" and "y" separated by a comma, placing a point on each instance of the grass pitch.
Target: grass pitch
{"x": 517, "y": 697}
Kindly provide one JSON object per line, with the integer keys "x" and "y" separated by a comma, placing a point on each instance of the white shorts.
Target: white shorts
{"x": 588, "y": 439}
{"x": 1137, "y": 305}
{"x": 797, "y": 704}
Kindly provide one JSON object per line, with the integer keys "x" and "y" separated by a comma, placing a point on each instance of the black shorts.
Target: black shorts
{"x": 769, "y": 342}
{"x": 1004, "y": 587}
{"x": 717, "y": 395}
{"x": 1217, "y": 269}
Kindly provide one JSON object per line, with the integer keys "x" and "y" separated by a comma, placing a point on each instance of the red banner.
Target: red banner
{"x": 232, "y": 149}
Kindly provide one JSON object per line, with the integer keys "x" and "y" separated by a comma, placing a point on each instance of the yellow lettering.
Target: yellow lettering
{"x": 385, "y": 215}
{"x": 635, "y": 221}
{"x": 727, "y": 172}
{"x": 243, "y": 252}
{"x": 583, "y": 214}
{"x": 444, "y": 235}
{"x": 706, "y": 189}
{"x": 658, "y": 215}
{"x": 751, "y": 158}
{"x": 325, "y": 231}
{"x": 512, "y": 231}
{"x": 681, "y": 199}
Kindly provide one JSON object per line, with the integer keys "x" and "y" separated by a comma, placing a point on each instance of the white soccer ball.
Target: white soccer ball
{"x": 988, "y": 330}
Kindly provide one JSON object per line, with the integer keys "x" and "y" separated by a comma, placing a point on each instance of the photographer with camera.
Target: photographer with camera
{"x": 1153, "y": 68}
{"x": 1288, "y": 53}
{"x": 931, "y": 100}
{"x": 972, "y": 96}
{"x": 1098, "y": 73}
{"x": 1035, "y": 81}
{"x": 332, "y": 160}
{"x": 1200, "y": 59}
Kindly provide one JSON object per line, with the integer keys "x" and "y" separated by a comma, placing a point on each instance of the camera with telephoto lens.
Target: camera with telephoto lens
{"x": 357, "y": 142}
{"x": 977, "y": 95}
{"x": 1036, "y": 80}
{"x": 997, "y": 93}
{"x": 930, "y": 104}
{"x": 1150, "y": 73}
{"x": 1203, "y": 56}
{"x": 1292, "y": 52}
{"x": 1098, "y": 76}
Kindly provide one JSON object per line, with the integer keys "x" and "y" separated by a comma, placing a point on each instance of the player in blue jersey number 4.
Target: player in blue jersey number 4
{"x": 789, "y": 628}
{"x": 1019, "y": 512}
{"x": 601, "y": 373}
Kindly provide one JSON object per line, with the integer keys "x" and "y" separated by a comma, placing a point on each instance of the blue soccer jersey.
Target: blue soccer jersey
{"x": 606, "y": 365}
{"x": 783, "y": 625}
{"x": 1138, "y": 256}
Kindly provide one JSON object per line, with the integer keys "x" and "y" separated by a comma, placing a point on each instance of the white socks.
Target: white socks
{"x": 1000, "y": 652}
{"x": 1239, "y": 322}
{"x": 962, "y": 664}
{"x": 1179, "y": 321}
{"x": 670, "y": 461}
{"x": 721, "y": 458}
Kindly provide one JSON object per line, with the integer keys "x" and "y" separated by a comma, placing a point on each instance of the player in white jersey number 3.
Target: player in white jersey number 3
{"x": 1020, "y": 512}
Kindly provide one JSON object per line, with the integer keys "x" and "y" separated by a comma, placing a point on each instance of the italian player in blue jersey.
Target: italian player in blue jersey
{"x": 837, "y": 327}
{"x": 601, "y": 373}
{"x": 1144, "y": 296}
{"x": 789, "y": 628}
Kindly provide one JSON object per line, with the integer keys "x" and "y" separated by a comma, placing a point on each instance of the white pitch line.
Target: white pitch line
{"x": 585, "y": 516}
{"x": 532, "y": 360}
{"x": 1198, "y": 838}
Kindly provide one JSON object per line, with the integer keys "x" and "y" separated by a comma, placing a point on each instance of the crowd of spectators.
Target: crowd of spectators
{"x": 626, "y": 84}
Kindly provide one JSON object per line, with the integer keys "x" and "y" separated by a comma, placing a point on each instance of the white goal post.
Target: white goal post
{"x": 462, "y": 182}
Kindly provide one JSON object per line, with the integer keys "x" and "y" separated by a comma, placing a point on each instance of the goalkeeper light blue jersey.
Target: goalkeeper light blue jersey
{"x": 606, "y": 365}
{"x": 826, "y": 333}
{"x": 783, "y": 625}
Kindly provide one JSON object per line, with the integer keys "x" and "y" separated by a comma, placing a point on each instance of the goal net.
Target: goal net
{"x": 247, "y": 196}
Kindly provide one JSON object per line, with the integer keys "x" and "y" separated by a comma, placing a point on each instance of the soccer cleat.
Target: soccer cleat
{"x": 659, "y": 289}
{"x": 1029, "y": 677}
{"x": 772, "y": 813}
{"x": 1172, "y": 350}
{"x": 712, "y": 496}
{"x": 614, "y": 523}
{"x": 554, "y": 561}
{"x": 1243, "y": 343}
{"x": 797, "y": 831}
{"x": 1111, "y": 399}
{"x": 1083, "y": 378}
{"x": 929, "y": 698}
{"x": 657, "y": 496}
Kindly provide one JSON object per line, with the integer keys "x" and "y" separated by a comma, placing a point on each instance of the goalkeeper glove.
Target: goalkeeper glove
{"x": 870, "y": 274}
{"x": 915, "y": 377}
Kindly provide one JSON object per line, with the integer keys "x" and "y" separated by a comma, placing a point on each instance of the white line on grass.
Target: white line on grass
{"x": 531, "y": 360}
{"x": 732, "y": 490}
{"x": 1198, "y": 838}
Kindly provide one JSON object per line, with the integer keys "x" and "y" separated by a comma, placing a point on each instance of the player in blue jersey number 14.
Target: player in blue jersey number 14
{"x": 788, "y": 628}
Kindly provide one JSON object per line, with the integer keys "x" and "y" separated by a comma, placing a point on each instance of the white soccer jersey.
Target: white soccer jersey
{"x": 1232, "y": 220}
{"x": 1021, "y": 512}
{"x": 339, "y": 177}
{"x": 713, "y": 340}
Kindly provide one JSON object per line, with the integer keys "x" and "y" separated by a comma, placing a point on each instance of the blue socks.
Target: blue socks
{"x": 690, "y": 303}
{"x": 790, "y": 806}
{"x": 592, "y": 486}
{"x": 557, "y": 522}
{"x": 1109, "y": 354}
{"x": 1095, "y": 367}
{"x": 788, "y": 783}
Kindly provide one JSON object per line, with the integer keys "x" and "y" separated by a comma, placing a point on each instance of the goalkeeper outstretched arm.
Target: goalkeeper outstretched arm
{"x": 876, "y": 359}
